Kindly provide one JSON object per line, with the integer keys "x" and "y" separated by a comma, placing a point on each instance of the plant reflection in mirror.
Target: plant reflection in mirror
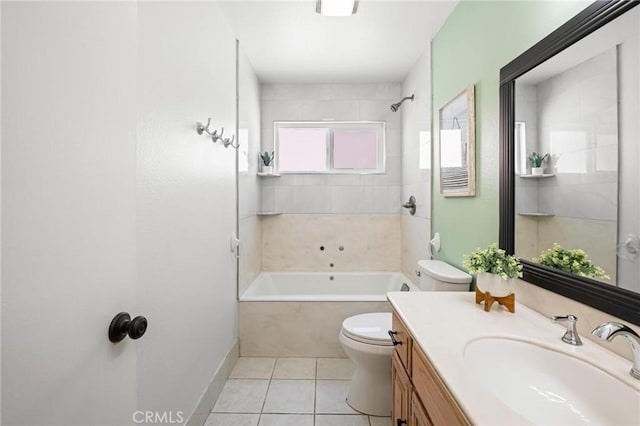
{"x": 575, "y": 261}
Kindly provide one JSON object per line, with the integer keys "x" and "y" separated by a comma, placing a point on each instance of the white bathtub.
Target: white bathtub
{"x": 301, "y": 313}
{"x": 324, "y": 286}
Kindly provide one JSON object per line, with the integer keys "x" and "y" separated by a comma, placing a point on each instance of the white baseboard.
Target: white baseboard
{"x": 211, "y": 394}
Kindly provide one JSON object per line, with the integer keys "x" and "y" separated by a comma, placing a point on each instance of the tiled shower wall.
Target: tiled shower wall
{"x": 358, "y": 212}
{"x": 416, "y": 181}
{"x": 333, "y": 194}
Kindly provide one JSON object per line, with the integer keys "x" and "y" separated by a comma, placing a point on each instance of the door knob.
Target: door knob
{"x": 122, "y": 325}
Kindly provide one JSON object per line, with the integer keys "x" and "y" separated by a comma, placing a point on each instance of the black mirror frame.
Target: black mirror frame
{"x": 619, "y": 302}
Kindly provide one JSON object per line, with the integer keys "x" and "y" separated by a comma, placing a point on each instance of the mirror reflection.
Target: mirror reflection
{"x": 576, "y": 157}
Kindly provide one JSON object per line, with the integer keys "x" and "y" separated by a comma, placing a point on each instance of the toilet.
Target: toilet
{"x": 365, "y": 339}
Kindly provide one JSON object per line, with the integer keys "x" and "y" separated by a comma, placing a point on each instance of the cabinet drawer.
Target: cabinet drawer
{"x": 403, "y": 346}
{"x": 438, "y": 402}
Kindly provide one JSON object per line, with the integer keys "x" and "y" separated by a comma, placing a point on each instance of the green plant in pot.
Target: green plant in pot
{"x": 267, "y": 161}
{"x": 573, "y": 261}
{"x": 536, "y": 163}
{"x": 494, "y": 270}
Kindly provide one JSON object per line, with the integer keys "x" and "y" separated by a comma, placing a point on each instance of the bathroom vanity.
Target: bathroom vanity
{"x": 419, "y": 395}
{"x": 455, "y": 364}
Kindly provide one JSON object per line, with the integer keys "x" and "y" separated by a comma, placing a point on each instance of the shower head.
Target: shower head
{"x": 396, "y": 106}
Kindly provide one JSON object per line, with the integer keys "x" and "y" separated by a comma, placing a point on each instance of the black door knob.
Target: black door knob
{"x": 122, "y": 325}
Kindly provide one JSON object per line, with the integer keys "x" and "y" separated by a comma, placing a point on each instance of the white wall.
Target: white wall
{"x": 416, "y": 118}
{"x": 335, "y": 194}
{"x": 185, "y": 201}
{"x": 112, "y": 202}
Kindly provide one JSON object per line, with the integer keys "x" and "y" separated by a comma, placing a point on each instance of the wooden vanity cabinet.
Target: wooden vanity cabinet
{"x": 420, "y": 398}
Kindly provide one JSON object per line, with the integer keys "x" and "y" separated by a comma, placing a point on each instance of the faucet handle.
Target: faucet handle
{"x": 571, "y": 336}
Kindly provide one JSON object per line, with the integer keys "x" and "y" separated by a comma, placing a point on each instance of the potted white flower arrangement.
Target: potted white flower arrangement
{"x": 573, "y": 261}
{"x": 494, "y": 270}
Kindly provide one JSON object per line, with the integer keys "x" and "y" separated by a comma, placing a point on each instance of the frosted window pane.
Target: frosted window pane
{"x": 425, "y": 149}
{"x": 355, "y": 149}
{"x": 302, "y": 150}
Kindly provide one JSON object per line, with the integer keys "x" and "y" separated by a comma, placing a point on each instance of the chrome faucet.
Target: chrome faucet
{"x": 609, "y": 330}
{"x": 571, "y": 335}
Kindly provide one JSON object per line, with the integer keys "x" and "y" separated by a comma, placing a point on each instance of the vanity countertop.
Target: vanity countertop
{"x": 442, "y": 323}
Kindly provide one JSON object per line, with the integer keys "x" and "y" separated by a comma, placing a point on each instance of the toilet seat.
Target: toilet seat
{"x": 372, "y": 329}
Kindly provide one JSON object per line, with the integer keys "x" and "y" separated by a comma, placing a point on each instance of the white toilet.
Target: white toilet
{"x": 365, "y": 339}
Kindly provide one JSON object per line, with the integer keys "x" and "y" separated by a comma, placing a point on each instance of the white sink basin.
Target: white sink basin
{"x": 549, "y": 387}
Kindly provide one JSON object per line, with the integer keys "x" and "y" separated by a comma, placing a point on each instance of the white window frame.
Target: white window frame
{"x": 378, "y": 126}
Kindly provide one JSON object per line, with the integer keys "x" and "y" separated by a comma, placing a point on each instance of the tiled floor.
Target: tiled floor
{"x": 289, "y": 392}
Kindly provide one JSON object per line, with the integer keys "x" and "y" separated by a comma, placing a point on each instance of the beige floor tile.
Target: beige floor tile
{"x": 335, "y": 368}
{"x": 242, "y": 396}
{"x": 290, "y": 396}
{"x": 286, "y": 420}
{"x": 380, "y": 421}
{"x": 331, "y": 397}
{"x": 295, "y": 368}
{"x": 341, "y": 420}
{"x": 253, "y": 368}
{"x": 217, "y": 419}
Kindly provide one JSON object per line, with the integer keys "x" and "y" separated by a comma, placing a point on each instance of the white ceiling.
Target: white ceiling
{"x": 288, "y": 42}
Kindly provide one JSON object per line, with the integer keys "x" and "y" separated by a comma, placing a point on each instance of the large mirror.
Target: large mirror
{"x": 570, "y": 133}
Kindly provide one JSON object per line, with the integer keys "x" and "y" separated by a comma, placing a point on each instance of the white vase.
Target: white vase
{"x": 267, "y": 169}
{"x": 494, "y": 284}
{"x": 537, "y": 171}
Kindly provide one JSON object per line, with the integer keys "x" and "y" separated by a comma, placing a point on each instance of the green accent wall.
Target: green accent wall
{"x": 478, "y": 39}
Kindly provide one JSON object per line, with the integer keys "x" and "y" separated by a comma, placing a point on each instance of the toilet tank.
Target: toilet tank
{"x": 436, "y": 275}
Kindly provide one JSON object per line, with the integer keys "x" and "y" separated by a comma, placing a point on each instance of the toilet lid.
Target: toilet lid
{"x": 369, "y": 328}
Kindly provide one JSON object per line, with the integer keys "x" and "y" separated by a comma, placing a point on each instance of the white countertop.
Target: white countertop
{"x": 442, "y": 323}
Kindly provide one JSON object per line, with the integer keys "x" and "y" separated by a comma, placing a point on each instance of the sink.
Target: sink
{"x": 548, "y": 387}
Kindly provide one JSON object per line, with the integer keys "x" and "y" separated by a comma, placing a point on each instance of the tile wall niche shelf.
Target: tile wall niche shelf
{"x": 268, "y": 174}
{"x": 536, "y": 214}
{"x": 274, "y": 213}
{"x": 547, "y": 175}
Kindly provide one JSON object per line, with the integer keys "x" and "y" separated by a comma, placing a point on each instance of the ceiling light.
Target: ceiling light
{"x": 336, "y": 7}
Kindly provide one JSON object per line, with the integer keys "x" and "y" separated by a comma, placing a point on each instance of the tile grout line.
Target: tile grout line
{"x": 315, "y": 391}
{"x": 267, "y": 392}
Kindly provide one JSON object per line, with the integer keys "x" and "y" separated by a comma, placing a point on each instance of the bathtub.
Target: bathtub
{"x": 299, "y": 314}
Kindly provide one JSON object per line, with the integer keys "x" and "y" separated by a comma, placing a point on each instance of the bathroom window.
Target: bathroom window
{"x": 334, "y": 147}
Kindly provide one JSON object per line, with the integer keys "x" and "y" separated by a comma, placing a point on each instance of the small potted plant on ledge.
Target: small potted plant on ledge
{"x": 536, "y": 163}
{"x": 267, "y": 162}
{"x": 575, "y": 261}
{"x": 495, "y": 270}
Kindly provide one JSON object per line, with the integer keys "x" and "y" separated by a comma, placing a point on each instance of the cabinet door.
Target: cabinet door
{"x": 401, "y": 393}
{"x": 418, "y": 416}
